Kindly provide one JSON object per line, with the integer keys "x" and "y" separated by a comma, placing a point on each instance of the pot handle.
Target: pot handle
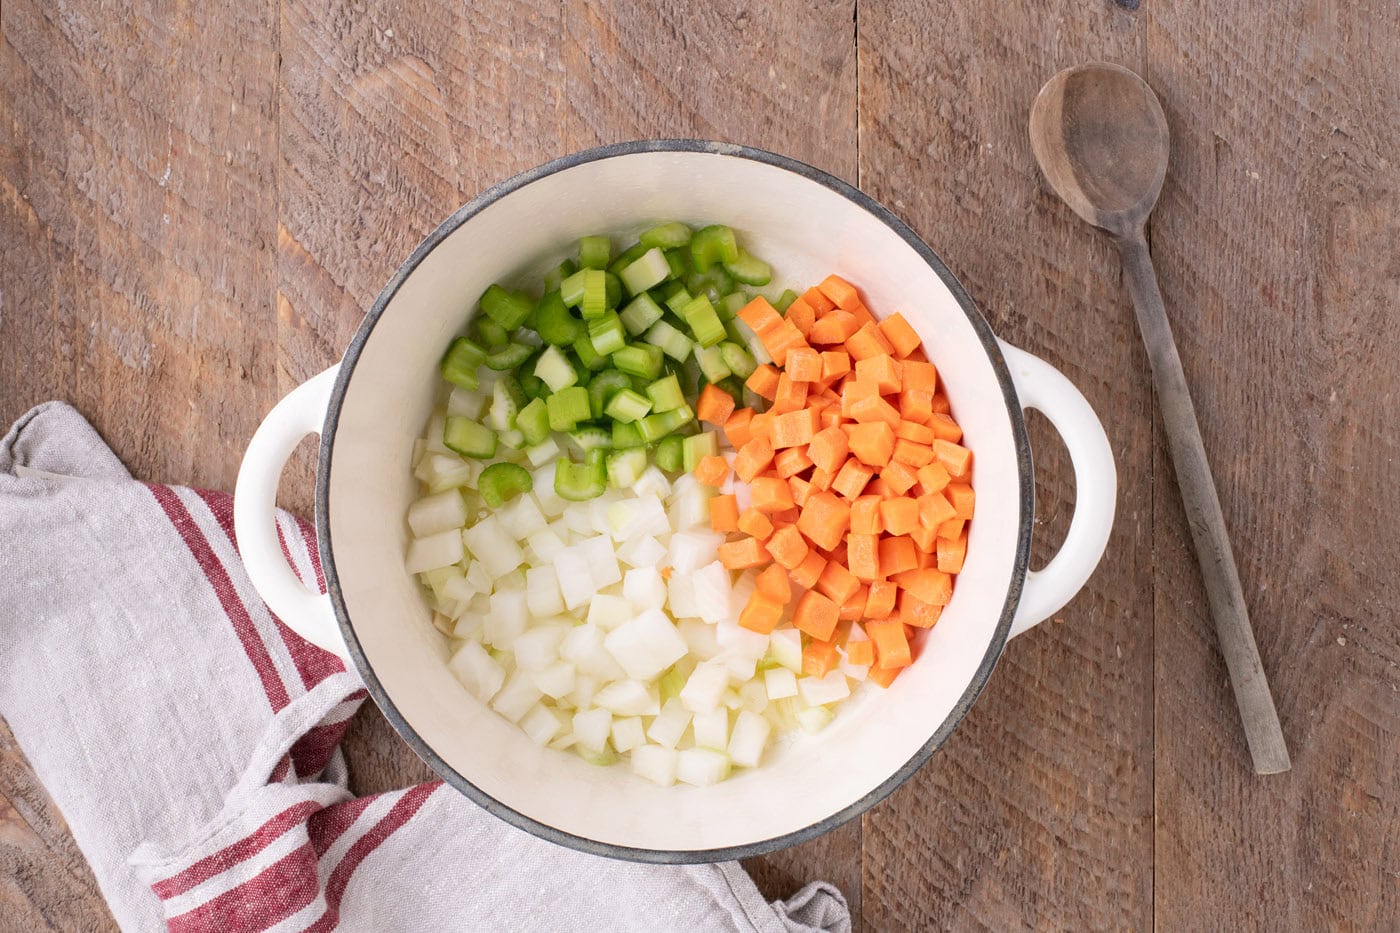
{"x": 1044, "y": 388}
{"x": 306, "y": 612}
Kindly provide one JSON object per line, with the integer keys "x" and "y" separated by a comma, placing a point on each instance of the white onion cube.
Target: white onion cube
{"x": 522, "y": 517}
{"x": 644, "y": 588}
{"x": 545, "y": 544}
{"x": 652, "y": 482}
{"x": 680, "y": 596}
{"x": 507, "y": 618}
{"x": 712, "y": 729}
{"x": 555, "y": 680}
{"x": 440, "y": 550}
{"x": 701, "y": 767}
{"x": 819, "y": 691}
{"x": 704, "y": 689}
{"x": 602, "y": 560}
{"x": 437, "y": 513}
{"x": 592, "y": 728}
{"x": 538, "y": 646}
{"x": 670, "y": 724}
{"x": 542, "y": 592}
{"x": 516, "y": 697}
{"x": 490, "y": 544}
{"x": 785, "y": 647}
{"x": 655, "y": 763}
{"x": 646, "y": 645}
{"x": 628, "y": 733}
{"x": 541, "y": 724}
{"x": 750, "y": 735}
{"x": 477, "y": 670}
{"x": 608, "y": 612}
{"x": 711, "y": 588}
{"x": 780, "y": 683}
{"x": 642, "y": 552}
{"x": 691, "y": 550}
{"x": 627, "y": 698}
{"x": 700, "y": 637}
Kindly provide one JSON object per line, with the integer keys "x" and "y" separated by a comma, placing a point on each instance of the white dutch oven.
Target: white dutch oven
{"x": 370, "y": 407}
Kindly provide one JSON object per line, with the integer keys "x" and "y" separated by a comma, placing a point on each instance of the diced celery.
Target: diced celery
{"x": 555, "y": 369}
{"x": 738, "y": 360}
{"x": 677, "y": 298}
{"x": 666, "y": 394}
{"x": 567, "y": 408}
{"x": 593, "y": 252}
{"x": 651, "y": 269}
{"x": 579, "y": 482}
{"x": 626, "y": 436}
{"x": 588, "y": 437}
{"x": 697, "y": 447}
{"x": 459, "y": 364}
{"x": 627, "y": 406}
{"x": 492, "y": 334}
{"x": 667, "y": 235}
{"x": 675, "y": 258}
{"x": 607, "y": 334}
{"x": 700, "y": 315}
{"x": 588, "y": 356}
{"x": 712, "y": 244}
{"x": 502, "y": 481}
{"x": 558, "y": 274}
{"x": 533, "y": 422}
{"x": 628, "y": 256}
{"x": 508, "y": 357}
{"x": 625, "y": 467}
{"x": 730, "y": 305}
{"x": 571, "y": 289}
{"x": 639, "y": 359}
{"x": 602, "y": 387}
{"x": 656, "y": 426}
{"x": 554, "y": 323}
{"x": 466, "y": 437}
{"x": 595, "y": 294}
{"x": 711, "y": 360}
{"x": 670, "y": 453}
{"x": 749, "y": 269}
{"x": 544, "y": 452}
{"x": 504, "y": 405}
{"x": 782, "y": 302}
{"x": 672, "y": 342}
{"x": 714, "y": 284}
{"x": 506, "y": 309}
{"x": 640, "y": 313}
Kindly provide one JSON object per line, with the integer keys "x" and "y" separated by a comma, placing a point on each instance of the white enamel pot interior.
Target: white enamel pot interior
{"x": 372, "y": 406}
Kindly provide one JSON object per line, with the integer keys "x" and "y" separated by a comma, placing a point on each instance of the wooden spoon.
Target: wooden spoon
{"x": 1101, "y": 139}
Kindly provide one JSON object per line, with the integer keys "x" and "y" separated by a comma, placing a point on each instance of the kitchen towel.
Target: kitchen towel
{"x": 192, "y": 741}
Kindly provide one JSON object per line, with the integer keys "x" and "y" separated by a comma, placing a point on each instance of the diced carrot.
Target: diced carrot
{"x": 743, "y": 554}
{"x": 712, "y": 470}
{"x": 753, "y": 458}
{"x": 897, "y": 555}
{"x": 791, "y": 461}
{"x": 790, "y": 395}
{"x": 900, "y": 334}
{"x": 714, "y": 405}
{"x": 761, "y": 425}
{"x": 909, "y": 453}
{"x": 788, "y": 547}
{"x": 962, "y": 497}
{"x": 860, "y": 653}
{"x": 831, "y": 417}
{"x": 914, "y": 611}
{"x": 804, "y": 364}
{"x": 800, "y": 488}
{"x": 884, "y": 676}
{"x": 867, "y": 342}
{"x": 898, "y": 476}
{"x": 880, "y": 603}
{"x": 876, "y": 409}
{"x": 764, "y": 381}
{"x": 795, "y": 428}
{"x": 952, "y": 528}
{"x": 853, "y": 391}
{"x": 825, "y": 519}
{"x": 863, "y": 555}
{"x": 862, "y": 314}
{"x": 787, "y": 518}
{"x": 933, "y": 477}
{"x": 819, "y": 658}
{"x": 951, "y": 554}
{"x": 924, "y": 538}
{"x": 878, "y": 487}
{"x": 837, "y": 582}
{"x": 873, "y": 443}
{"x": 916, "y": 405}
{"x": 801, "y": 315}
{"x": 770, "y": 494}
{"x": 854, "y": 606}
{"x": 724, "y": 513}
{"x": 818, "y": 300}
{"x": 816, "y": 615}
{"x": 835, "y": 364}
{"x": 922, "y": 376}
{"x": 851, "y": 478}
{"x": 821, "y": 479}
{"x": 773, "y": 582}
{"x": 829, "y": 448}
{"x": 761, "y": 613}
{"x": 837, "y": 553}
{"x": 865, "y": 516}
{"x": 782, "y": 339}
{"x": 945, "y": 427}
{"x": 835, "y": 327}
{"x": 739, "y": 427}
{"x": 935, "y": 509}
{"x": 891, "y": 645}
{"x": 810, "y": 570}
{"x": 955, "y": 457}
{"x": 755, "y": 524}
{"x": 941, "y": 405}
{"x": 881, "y": 370}
{"x": 917, "y": 433}
{"x": 760, "y": 315}
{"x": 927, "y": 584}
{"x": 840, "y": 291}
{"x": 899, "y": 515}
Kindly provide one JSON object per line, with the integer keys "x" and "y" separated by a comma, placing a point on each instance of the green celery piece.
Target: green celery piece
{"x": 533, "y": 421}
{"x": 602, "y": 387}
{"x": 669, "y": 453}
{"x": 506, "y": 309}
{"x": 460, "y": 362}
{"x": 594, "y": 251}
{"x": 502, "y": 481}
{"x": 567, "y": 408}
{"x": 667, "y": 236}
{"x": 712, "y": 244}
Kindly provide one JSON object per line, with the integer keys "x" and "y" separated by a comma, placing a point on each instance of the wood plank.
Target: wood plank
{"x": 1037, "y": 812}
{"x": 1275, "y": 240}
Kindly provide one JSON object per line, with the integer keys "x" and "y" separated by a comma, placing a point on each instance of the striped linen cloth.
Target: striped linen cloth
{"x": 192, "y": 741}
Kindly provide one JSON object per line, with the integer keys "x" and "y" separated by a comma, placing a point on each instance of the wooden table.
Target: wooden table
{"x": 198, "y": 201}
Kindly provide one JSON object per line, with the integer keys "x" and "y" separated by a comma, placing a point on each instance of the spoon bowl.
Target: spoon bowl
{"x": 1101, "y": 138}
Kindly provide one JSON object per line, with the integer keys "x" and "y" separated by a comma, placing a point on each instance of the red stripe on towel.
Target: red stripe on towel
{"x": 270, "y": 896}
{"x": 240, "y": 851}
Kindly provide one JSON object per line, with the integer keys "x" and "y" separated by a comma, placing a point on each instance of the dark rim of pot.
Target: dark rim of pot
{"x": 984, "y": 669}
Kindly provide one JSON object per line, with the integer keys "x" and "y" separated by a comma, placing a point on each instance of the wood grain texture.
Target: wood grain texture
{"x": 1037, "y": 812}
{"x": 1275, "y": 242}
{"x": 300, "y": 150}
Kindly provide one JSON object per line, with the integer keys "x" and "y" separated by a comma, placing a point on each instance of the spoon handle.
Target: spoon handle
{"x": 1217, "y": 560}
